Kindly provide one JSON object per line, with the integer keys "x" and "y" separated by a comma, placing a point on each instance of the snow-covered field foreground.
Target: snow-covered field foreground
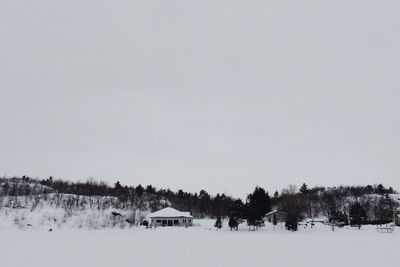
{"x": 199, "y": 246}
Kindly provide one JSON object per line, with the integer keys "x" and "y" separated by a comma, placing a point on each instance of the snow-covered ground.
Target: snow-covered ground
{"x": 61, "y": 211}
{"x": 199, "y": 246}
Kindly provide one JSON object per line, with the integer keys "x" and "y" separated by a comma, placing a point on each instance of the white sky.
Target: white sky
{"x": 216, "y": 94}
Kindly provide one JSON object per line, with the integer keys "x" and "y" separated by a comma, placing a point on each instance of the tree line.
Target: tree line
{"x": 342, "y": 204}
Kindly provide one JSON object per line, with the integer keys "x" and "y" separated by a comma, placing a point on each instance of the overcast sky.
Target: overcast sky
{"x": 216, "y": 94}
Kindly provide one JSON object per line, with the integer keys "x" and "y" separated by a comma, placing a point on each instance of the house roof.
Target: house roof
{"x": 169, "y": 212}
{"x": 275, "y": 211}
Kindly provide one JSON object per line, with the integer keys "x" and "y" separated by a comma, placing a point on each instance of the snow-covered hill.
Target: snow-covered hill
{"x": 33, "y": 203}
{"x": 67, "y": 211}
{"x": 28, "y": 203}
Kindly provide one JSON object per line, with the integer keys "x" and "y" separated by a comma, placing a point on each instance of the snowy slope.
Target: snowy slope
{"x": 66, "y": 211}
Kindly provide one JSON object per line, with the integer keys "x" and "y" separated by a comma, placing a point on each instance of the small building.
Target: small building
{"x": 397, "y": 217}
{"x": 275, "y": 217}
{"x": 170, "y": 217}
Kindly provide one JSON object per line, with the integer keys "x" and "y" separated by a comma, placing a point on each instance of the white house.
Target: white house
{"x": 170, "y": 217}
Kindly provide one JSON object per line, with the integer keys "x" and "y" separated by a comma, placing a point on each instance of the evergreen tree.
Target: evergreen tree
{"x": 357, "y": 214}
{"x": 369, "y": 189}
{"x": 306, "y": 198}
{"x": 380, "y": 189}
{"x": 237, "y": 214}
{"x": 258, "y": 204}
{"x": 217, "y": 204}
{"x": 338, "y": 217}
{"x": 233, "y": 223}
{"x": 139, "y": 190}
{"x": 386, "y": 209}
{"x": 304, "y": 188}
{"x": 150, "y": 189}
{"x": 218, "y": 223}
{"x": 117, "y": 186}
{"x": 291, "y": 223}
{"x": 237, "y": 210}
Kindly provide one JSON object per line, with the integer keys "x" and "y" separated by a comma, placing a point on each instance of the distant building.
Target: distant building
{"x": 170, "y": 217}
{"x": 275, "y": 217}
{"x": 397, "y": 217}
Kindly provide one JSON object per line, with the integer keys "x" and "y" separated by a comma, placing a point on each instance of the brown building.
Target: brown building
{"x": 397, "y": 218}
{"x": 275, "y": 217}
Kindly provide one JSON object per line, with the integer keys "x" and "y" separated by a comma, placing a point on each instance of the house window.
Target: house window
{"x": 184, "y": 220}
{"x": 176, "y": 222}
{"x": 158, "y": 221}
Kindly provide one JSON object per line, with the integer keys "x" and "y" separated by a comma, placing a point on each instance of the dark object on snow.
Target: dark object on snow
{"x": 29, "y": 224}
{"x": 116, "y": 213}
{"x": 218, "y": 223}
{"x": 291, "y": 224}
{"x": 145, "y": 223}
{"x": 233, "y": 223}
{"x": 338, "y": 218}
{"x": 50, "y": 230}
{"x": 357, "y": 215}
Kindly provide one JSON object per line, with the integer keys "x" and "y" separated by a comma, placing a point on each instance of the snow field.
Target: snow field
{"x": 199, "y": 246}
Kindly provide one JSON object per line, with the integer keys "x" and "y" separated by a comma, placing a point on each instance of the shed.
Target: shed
{"x": 170, "y": 217}
{"x": 397, "y": 217}
{"x": 275, "y": 216}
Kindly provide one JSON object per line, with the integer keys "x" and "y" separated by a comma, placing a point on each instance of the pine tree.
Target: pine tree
{"x": 117, "y": 189}
{"x": 369, "y": 189}
{"x": 386, "y": 208}
{"x": 258, "y": 204}
{"x": 237, "y": 210}
{"x": 380, "y": 189}
{"x": 233, "y": 223}
{"x": 304, "y": 188}
{"x": 357, "y": 214}
{"x": 306, "y": 198}
{"x": 139, "y": 190}
{"x": 218, "y": 223}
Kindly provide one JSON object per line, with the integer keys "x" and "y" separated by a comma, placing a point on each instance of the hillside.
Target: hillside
{"x": 49, "y": 203}
{"x": 34, "y": 203}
